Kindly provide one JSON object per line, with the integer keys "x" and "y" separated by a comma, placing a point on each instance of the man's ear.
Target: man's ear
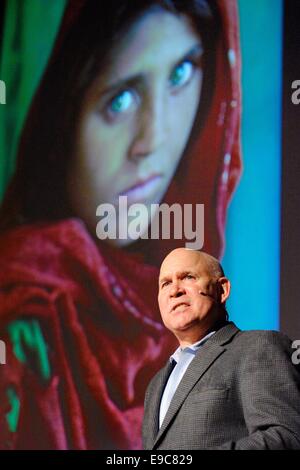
{"x": 225, "y": 286}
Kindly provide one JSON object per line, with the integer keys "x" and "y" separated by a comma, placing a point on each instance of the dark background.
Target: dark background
{"x": 290, "y": 202}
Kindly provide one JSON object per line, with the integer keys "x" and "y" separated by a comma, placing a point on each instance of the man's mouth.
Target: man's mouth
{"x": 177, "y": 306}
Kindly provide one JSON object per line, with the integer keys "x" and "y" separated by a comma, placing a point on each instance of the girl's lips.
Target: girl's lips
{"x": 142, "y": 190}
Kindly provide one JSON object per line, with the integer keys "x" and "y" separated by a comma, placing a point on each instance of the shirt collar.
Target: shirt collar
{"x": 192, "y": 349}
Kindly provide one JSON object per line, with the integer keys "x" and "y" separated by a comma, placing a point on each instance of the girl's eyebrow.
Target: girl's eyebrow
{"x": 128, "y": 82}
{"x": 195, "y": 53}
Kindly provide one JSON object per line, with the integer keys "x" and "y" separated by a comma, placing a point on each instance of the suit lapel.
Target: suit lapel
{"x": 206, "y": 355}
{"x": 162, "y": 379}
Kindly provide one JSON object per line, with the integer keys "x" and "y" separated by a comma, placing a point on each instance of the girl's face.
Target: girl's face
{"x": 137, "y": 116}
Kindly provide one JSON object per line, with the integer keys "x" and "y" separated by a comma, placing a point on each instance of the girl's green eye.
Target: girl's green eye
{"x": 121, "y": 102}
{"x": 181, "y": 74}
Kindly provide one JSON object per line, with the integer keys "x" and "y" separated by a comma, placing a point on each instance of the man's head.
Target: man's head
{"x": 192, "y": 294}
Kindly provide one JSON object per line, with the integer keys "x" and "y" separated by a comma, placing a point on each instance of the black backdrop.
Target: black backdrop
{"x": 290, "y": 203}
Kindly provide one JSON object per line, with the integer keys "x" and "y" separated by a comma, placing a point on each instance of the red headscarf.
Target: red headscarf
{"x": 97, "y": 305}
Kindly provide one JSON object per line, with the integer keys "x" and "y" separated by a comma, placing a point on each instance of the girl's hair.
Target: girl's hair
{"x": 38, "y": 189}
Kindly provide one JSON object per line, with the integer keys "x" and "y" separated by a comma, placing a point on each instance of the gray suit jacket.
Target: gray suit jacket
{"x": 241, "y": 391}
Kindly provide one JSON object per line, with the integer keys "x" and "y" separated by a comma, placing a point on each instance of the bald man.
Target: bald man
{"x": 222, "y": 388}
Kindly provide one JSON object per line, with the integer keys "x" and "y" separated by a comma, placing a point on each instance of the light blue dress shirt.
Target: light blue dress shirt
{"x": 183, "y": 358}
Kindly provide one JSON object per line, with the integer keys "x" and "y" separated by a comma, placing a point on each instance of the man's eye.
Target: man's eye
{"x": 182, "y": 74}
{"x": 189, "y": 276}
{"x": 164, "y": 284}
{"x": 121, "y": 103}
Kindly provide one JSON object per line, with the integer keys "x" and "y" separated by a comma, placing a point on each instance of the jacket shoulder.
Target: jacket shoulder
{"x": 263, "y": 337}
{"x": 262, "y": 343}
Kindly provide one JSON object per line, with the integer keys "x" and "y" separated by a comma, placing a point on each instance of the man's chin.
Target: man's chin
{"x": 185, "y": 326}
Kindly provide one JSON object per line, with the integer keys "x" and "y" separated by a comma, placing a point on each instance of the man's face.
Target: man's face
{"x": 188, "y": 293}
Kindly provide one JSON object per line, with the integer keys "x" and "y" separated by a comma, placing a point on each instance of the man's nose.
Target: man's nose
{"x": 150, "y": 129}
{"x": 177, "y": 290}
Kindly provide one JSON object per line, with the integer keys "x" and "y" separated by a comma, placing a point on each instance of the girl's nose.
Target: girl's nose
{"x": 150, "y": 129}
